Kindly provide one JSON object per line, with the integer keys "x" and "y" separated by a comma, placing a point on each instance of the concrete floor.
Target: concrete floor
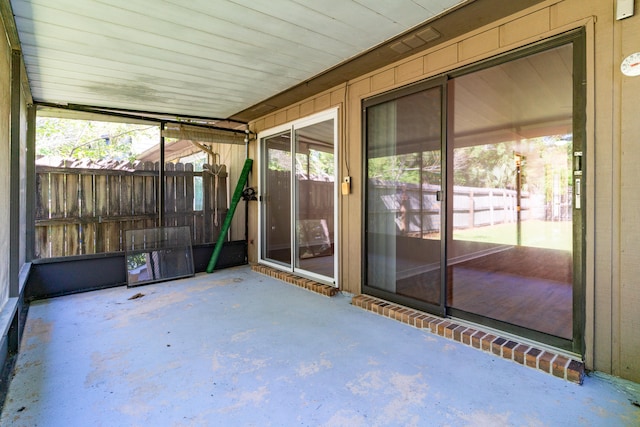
{"x": 236, "y": 348}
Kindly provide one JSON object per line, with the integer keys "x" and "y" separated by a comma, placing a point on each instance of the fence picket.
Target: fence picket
{"x": 88, "y": 236}
{"x": 180, "y": 195}
{"x": 207, "y": 205}
{"x": 114, "y": 195}
{"x": 72, "y": 239}
{"x": 169, "y": 195}
{"x": 42, "y": 195}
{"x": 71, "y": 195}
{"x": 126, "y": 194}
{"x": 56, "y": 234}
{"x": 57, "y": 195}
{"x": 101, "y": 196}
{"x": 138, "y": 192}
{"x": 112, "y": 230}
{"x": 150, "y": 190}
{"x": 188, "y": 216}
{"x": 87, "y": 202}
{"x": 42, "y": 242}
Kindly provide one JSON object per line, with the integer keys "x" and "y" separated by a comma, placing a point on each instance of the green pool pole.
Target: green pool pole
{"x": 237, "y": 194}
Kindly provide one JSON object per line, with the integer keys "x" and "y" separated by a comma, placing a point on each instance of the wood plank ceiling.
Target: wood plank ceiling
{"x": 210, "y": 58}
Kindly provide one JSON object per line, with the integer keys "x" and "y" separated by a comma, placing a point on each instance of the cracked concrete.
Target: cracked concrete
{"x": 236, "y": 348}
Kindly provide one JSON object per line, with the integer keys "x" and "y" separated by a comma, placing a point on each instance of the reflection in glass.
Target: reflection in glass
{"x": 315, "y": 194}
{"x": 510, "y": 257}
{"x": 276, "y": 245}
{"x": 156, "y": 254}
{"x": 403, "y": 180}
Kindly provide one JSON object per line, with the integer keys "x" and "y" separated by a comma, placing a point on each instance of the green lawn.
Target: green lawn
{"x": 540, "y": 234}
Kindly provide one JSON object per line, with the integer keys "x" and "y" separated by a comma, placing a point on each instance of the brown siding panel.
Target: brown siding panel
{"x": 337, "y": 96}
{"x": 323, "y": 102}
{"x": 306, "y": 109}
{"x": 410, "y": 70}
{"x": 479, "y": 44}
{"x": 280, "y": 118}
{"x": 442, "y": 58}
{"x": 383, "y": 80}
{"x": 524, "y": 28}
{"x": 293, "y": 113}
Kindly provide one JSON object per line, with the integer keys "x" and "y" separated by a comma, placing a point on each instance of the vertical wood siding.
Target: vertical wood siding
{"x": 82, "y": 211}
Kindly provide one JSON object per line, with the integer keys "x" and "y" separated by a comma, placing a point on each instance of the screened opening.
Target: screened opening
{"x": 90, "y": 186}
{"x": 97, "y": 179}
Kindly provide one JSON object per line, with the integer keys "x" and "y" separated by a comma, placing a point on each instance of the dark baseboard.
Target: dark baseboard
{"x": 64, "y": 276}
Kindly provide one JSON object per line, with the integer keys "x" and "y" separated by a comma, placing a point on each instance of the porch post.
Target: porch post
{"x": 161, "y": 179}
{"x": 14, "y": 177}
{"x": 31, "y": 183}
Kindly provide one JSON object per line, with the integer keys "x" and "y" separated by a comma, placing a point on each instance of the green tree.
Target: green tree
{"x": 93, "y": 140}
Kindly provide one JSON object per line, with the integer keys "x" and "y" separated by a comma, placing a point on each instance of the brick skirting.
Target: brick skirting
{"x": 524, "y": 354}
{"x": 311, "y": 285}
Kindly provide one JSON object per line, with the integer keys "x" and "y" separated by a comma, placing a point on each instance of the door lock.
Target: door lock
{"x": 577, "y": 172}
{"x": 577, "y": 163}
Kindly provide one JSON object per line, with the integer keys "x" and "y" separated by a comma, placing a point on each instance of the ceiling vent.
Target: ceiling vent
{"x": 415, "y": 40}
{"x": 400, "y": 48}
{"x": 428, "y": 34}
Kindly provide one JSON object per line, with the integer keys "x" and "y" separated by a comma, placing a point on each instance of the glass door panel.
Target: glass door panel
{"x": 276, "y": 217}
{"x": 510, "y": 256}
{"x": 314, "y": 198}
{"x": 403, "y": 219}
{"x": 298, "y": 197}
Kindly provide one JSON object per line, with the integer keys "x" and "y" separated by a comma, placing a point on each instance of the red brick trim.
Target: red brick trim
{"x": 308, "y": 284}
{"x": 524, "y": 354}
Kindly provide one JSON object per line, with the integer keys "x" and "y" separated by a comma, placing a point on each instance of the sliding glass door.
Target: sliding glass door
{"x": 298, "y": 193}
{"x": 276, "y": 199}
{"x": 511, "y": 252}
{"x": 500, "y": 242}
{"x": 403, "y": 219}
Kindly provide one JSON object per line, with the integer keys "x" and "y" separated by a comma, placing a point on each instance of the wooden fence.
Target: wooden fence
{"x": 472, "y": 207}
{"x": 85, "y": 210}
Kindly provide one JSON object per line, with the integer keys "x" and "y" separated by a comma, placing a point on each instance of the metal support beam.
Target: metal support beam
{"x": 161, "y": 183}
{"x": 31, "y": 183}
{"x": 149, "y": 116}
{"x": 14, "y": 176}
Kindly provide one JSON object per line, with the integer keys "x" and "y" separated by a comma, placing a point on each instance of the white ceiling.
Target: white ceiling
{"x": 211, "y": 58}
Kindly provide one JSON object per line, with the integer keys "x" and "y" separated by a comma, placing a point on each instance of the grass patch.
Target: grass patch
{"x": 534, "y": 233}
